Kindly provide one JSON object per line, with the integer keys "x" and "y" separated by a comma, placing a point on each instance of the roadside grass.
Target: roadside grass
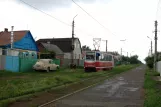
{"x": 122, "y": 68}
{"x": 152, "y": 92}
{"x": 24, "y": 83}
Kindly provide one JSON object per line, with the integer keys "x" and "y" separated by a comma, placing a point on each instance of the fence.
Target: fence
{"x": 17, "y": 64}
{"x": 12, "y": 63}
{"x": 2, "y": 62}
{"x": 67, "y": 62}
{"x": 26, "y": 64}
{"x": 159, "y": 67}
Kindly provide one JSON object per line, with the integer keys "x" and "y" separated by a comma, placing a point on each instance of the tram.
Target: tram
{"x": 96, "y": 61}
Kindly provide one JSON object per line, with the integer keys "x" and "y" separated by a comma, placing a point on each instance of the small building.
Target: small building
{"x": 65, "y": 44}
{"x": 23, "y": 41}
{"x": 47, "y": 47}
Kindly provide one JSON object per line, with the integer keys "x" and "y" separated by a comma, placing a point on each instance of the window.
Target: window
{"x": 90, "y": 56}
{"x": 4, "y": 51}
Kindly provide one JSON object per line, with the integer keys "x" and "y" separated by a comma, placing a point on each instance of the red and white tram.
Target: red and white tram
{"x": 96, "y": 60}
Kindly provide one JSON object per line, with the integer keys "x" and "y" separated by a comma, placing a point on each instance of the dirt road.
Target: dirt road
{"x": 124, "y": 90}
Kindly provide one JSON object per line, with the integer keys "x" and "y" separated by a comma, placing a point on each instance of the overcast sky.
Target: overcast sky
{"x": 132, "y": 20}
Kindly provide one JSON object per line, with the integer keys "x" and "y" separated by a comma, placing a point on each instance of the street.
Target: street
{"x": 123, "y": 90}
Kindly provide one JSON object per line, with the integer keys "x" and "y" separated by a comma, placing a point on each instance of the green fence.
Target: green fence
{"x": 26, "y": 64}
{"x": 56, "y": 61}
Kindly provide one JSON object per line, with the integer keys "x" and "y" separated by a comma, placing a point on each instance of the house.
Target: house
{"x": 23, "y": 41}
{"x": 65, "y": 44}
{"x": 50, "y": 47}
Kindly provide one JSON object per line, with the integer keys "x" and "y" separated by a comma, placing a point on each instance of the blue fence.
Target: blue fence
{"x": 12, "y": 63}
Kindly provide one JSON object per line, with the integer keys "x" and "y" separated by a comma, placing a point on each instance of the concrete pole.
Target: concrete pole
{"x": 151, "y": 48}
{"x": 155, "y": 38}
{"x": 106, "y": 46}
{"x": 72, "y": 54}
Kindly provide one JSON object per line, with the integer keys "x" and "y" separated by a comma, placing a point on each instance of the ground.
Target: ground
{"x": 125, "y": 90}
{"x": 39, "y": 85}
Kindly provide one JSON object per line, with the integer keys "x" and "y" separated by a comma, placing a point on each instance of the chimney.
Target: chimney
{"x": 5, "y": 30}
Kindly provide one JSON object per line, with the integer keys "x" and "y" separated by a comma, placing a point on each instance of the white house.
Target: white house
{"x": 65, "y": 44}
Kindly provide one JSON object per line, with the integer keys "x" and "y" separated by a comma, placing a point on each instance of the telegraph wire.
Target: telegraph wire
{"x": 45, "y": 13}
{"x": 92, "y": 17}
{"x": 78, "y": 29}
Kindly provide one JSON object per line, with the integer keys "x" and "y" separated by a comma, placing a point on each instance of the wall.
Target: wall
{"x": 0, "y": 51}
{"x": 77, "y": 50}
{"x": 26, "y": 43}
{"x": 12, "y": 52}
{"x": 159, "y": 67}
{"x": 67, "y": 55}
{"x": 67, "y": 62}
{"x": 2, "y": 62}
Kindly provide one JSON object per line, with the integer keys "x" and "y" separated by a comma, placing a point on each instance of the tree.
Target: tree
{"x": 131, "y": 60}
{"x": 45, "y": 54}
{"x": 150, "y": 60}
{"x": 86, "y": 48}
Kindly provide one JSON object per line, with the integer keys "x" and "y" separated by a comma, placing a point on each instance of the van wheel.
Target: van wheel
{"x": 48, "y": 69}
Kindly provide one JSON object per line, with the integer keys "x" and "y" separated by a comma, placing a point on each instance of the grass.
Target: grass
{"x": 152, "y": 92}
{"x": 123, "y": 68}
{"x": 25, "y": 83}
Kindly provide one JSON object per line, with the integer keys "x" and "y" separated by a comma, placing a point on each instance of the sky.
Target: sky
{"x": 132, "y": 20}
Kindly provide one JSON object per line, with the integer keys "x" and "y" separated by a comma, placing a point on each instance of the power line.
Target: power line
{"x": 53, "y": 17}
{"x": 45, "y": 13}
{"x": 92, "y": 17}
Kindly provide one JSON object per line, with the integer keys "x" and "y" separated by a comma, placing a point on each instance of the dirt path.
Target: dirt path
{"x": 124, "y": 90}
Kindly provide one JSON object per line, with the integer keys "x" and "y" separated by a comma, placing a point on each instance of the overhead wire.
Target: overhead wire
{"x": 78, "y": 29}
{"x": 92, "y": 17}
{"x": 45, "y": 13}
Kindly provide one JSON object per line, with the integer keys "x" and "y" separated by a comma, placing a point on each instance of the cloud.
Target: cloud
{"x": 48, "y": 4}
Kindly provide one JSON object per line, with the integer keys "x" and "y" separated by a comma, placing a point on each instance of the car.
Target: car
{"x": 45, "y": 64}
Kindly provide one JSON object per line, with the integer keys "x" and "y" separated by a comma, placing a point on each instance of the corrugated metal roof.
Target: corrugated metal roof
{"x": 63, "y": 43}
{"x": 51, "y": 47}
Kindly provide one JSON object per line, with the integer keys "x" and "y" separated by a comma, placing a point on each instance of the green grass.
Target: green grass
{"x": 25, "y": 83}
{"x": 122, "y": 68}
{"x": 152, "y": 93}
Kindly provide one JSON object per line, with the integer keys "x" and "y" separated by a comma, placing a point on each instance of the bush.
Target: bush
{"x": 150, "y": 61}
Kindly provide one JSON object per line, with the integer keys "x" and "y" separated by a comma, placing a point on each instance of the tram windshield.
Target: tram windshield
{"x": 90, "y": 56}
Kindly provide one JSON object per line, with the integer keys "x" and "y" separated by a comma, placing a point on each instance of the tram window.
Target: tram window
{"x": 110, "y": 58}
{"x": 89, "y": 57}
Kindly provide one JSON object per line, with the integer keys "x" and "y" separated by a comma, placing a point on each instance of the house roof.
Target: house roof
{"x": 51, "y": 47}
{"x": 63, "y": 43}
{"x": 5, "y": 36}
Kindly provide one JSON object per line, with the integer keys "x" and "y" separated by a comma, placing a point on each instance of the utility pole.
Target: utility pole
{"x": 106, "y": 46}
{"x": 151, "y": 48}
{"x": 72, "y": 53}
{"x": 155, "y": 38}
